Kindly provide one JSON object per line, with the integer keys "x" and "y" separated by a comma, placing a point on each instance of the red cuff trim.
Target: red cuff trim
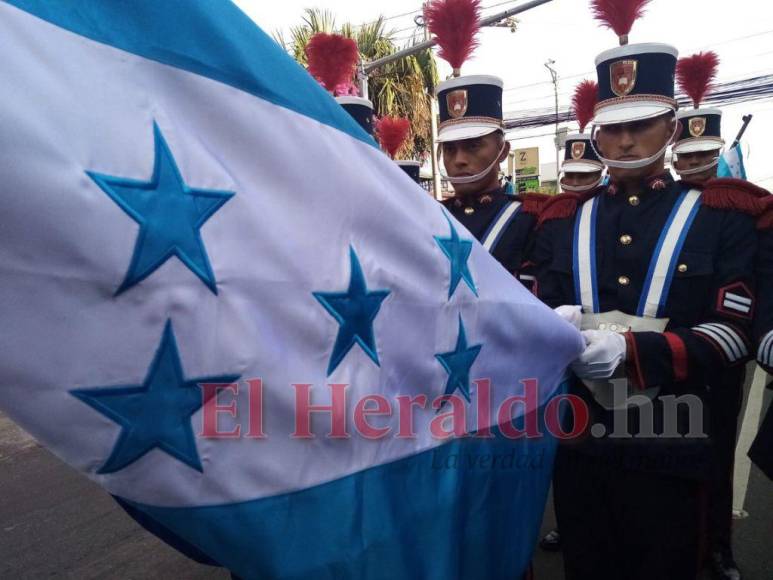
{"x": 678, "y": 355}
{"x": 632, "y": 362}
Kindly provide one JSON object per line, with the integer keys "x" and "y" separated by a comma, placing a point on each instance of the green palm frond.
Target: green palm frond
{"x": 402, "y": 88}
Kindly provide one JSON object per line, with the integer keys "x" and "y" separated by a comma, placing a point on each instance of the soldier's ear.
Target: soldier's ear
{"x": 505, "y": 151}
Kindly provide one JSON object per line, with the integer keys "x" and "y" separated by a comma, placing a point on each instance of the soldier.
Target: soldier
{"x": 582, "y": 167}
{"x": 663, "y": 274}
{"x": 473, "y": 145}
{"x": 696, "y": 157}
{"x": 699, "y": 145}
{"x": 472, "y": 141}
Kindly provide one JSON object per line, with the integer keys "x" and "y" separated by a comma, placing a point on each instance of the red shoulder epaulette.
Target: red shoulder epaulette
{"x": 564, "y": 205}
{"x": 534, "y": 202}
{"x": 561, "y": 206}
{"x": 766, "y": 219}
{"x": 734, "y": 194}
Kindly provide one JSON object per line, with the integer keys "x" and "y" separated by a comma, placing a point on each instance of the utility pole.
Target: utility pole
{"x": 554, "y": 75}
{"x": 436, "y": 187}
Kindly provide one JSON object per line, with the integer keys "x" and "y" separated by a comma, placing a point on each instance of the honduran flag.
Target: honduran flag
{"x": 731, "y": 163}
{"x": 224, "y": 304}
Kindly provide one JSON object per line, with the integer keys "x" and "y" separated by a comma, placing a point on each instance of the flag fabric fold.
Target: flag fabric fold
{"x": 193, "y": 228}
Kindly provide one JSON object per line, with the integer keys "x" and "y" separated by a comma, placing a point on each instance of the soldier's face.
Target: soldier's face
{"x": 574, "y": 179}
{"x": 695, "y": 160}
{"x": 470, "y": 157}
{"x": 635, "y": 141}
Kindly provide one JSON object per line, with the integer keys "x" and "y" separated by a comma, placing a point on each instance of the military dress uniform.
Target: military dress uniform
{"x": 486, "y": 217}
{"x": 663, "y": 272}
{"x": 701, "y": 132}
{"x": 761, "y": 451}
{"x": 471, "y": 107}
{"x": 647, "y": 491}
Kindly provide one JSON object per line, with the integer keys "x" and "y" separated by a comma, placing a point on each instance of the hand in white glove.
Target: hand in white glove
{"x": 572, "y": 314}
{"x": 604, "y": 352}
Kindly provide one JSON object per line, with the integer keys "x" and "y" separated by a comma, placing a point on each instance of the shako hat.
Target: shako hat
{"x": 636, "y": 81}
{"x": 701, "y": 128}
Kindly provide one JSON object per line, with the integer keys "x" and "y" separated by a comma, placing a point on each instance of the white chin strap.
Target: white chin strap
{"x": 634, "y": 164}
{"x": 582, "y": 188}
{"x": 697, "y": 170}
{"x": 469, "y": 178}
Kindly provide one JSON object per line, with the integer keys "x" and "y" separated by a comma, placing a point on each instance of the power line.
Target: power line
{"x": 545, "y": 96}
{"x": 416, "y": 27}
{"x": 551, "y": 134}
{"x": 387, "y": 18}
{"x": 725, "y": 94}
{"x": 592, "y": 72}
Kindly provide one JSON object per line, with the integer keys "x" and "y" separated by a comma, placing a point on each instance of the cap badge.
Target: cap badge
{"x": 623, "y": 76}
{"x": 578, "y": 150}
{"x": 457, "y": 103}
{"x": 697, "y": 126}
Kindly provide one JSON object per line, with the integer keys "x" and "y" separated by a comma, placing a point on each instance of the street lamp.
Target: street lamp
{"x": 554, "y": 75}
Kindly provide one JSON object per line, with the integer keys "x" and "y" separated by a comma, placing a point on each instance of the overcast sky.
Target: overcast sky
{"x": 741, "y": 32}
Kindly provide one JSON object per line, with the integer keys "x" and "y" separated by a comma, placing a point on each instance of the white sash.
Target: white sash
{"x": 657, "y": 285}
{"x": 499, "y": 225}
{"x": 660, "y": 274}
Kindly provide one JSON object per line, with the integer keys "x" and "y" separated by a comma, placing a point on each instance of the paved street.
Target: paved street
{"x": 55, "y": 523}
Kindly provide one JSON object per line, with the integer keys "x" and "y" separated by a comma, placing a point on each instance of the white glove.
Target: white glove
{"x": 572, "y": 314}
{"x": 605, "y": 351}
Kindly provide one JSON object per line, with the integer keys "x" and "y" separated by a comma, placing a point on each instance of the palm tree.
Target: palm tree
{"x": 402, "y": 88}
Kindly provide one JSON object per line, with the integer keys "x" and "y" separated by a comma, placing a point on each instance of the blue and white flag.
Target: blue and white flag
{"x": 253, "y": 359}
{"x": 731, "y": 163}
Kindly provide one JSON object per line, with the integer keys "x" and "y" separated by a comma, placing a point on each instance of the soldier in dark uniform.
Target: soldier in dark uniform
{"x": 582, "y": 169}
{"x": 696, "y": 157}
{"x": 761, "y": 451}
{"x": 659, "y": 268}
{"x": 473, "y": 146}
{"x": 699, "y": 145}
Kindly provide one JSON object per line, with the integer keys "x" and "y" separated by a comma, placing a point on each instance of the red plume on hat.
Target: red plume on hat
{"x": 619, "y": 15}
{"x": 392, "y": 133}
{"x": 332, "y": 59}
{"x": 696, "y": 73}
{"x": 455, "y": 24}
{"x": 584, "y": 100}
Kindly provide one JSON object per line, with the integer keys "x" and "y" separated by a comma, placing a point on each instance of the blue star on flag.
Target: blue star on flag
{"x": 354, "y": 310}
{"x": 170, "y": 215}
{"x": 155, "y": 414}
{"x": 458, "y": 253}
{"x": 458, "y": 364}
